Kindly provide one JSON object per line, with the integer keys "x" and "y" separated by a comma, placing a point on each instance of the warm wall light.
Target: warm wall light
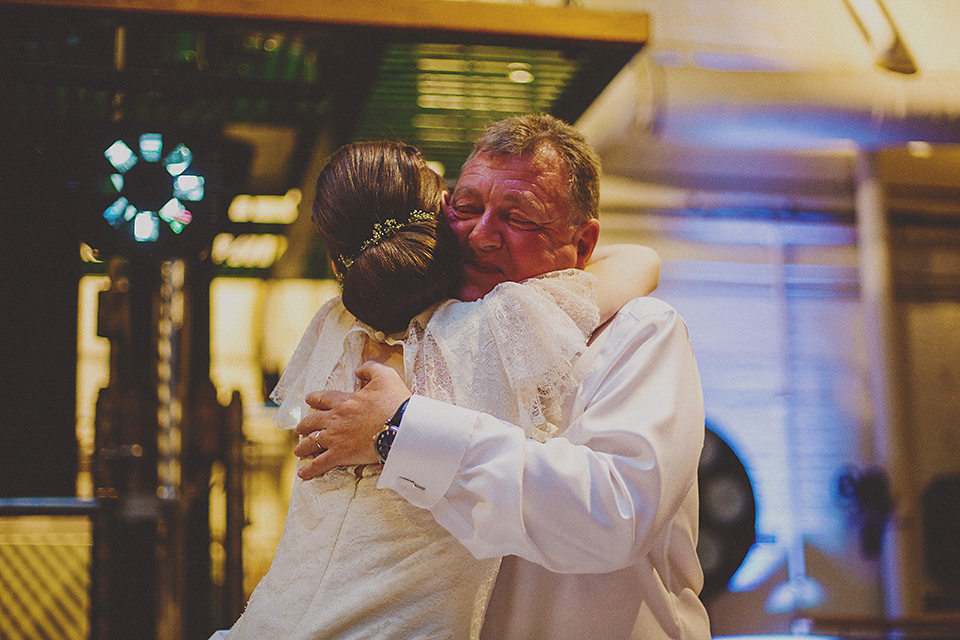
{"x": 248, "y": 250}
{"x": 919, "y": 149}
{"x": 267, "y": 209}
{"x": 881, "y": 33}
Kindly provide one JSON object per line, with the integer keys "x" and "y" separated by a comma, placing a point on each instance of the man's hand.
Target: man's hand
{"x": 341, "y": 430}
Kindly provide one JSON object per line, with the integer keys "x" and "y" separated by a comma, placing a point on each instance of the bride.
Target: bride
{"x": 355, "y": 561}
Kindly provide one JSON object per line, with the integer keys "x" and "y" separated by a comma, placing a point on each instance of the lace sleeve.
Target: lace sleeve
{"x": 310, "y": 367}
{"x": 512, "y": 353}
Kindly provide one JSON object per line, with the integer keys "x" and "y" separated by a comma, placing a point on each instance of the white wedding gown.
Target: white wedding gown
{"x": 355, "y": 561}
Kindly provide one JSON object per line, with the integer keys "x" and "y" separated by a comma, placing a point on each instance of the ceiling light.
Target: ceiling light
{"x": 520, "y": 73}
{"x": 881, "y": 33}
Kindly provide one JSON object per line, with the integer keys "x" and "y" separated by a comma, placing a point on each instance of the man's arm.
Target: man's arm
{"x": 590, "y": 501}
{"x": 344, "y": 424}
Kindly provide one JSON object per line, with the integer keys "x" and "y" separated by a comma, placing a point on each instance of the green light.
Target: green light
{"x": 188, "y": 187}
{"x": 121, "y": 156}
{"x": 178, "y": 160}
{"x": 146, "y": 227}
{"x": 114, "y": 212}
{"x": 174, "y": 211}
{"x": 151, "y": 145}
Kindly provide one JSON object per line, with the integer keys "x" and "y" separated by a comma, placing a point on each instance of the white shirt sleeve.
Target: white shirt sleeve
{"x": 590, "y": 501}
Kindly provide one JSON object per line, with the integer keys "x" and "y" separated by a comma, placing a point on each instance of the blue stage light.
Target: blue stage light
{"x": 140, "y": 186}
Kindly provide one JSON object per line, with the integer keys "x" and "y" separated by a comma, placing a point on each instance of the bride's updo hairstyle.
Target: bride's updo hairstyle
{"x": 378, "y": 207}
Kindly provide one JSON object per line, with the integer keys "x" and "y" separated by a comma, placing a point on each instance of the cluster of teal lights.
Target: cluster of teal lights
{"x": 186, "y": 187}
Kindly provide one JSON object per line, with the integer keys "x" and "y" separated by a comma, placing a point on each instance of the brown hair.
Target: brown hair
{"x": 416, "y": 263}
{"x": 526, "y": 134}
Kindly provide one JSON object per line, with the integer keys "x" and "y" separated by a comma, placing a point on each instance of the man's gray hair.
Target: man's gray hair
{"x": 525, "y": 135}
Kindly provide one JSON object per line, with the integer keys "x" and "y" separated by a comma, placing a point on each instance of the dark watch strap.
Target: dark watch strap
{"x": 398, "y": 416}
{"x": 383, "y": 441}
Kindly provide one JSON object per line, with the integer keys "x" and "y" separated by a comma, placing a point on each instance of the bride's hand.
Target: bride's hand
{"x": 341, "y": 430}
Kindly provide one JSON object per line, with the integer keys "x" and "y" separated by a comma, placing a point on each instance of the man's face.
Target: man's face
{"x": 511, "y": 216}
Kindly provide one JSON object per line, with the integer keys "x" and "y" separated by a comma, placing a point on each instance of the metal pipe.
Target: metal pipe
{"x": 234, "y": 599}
{"x": 171, "y": 376}
{"x": 890, "y": 446}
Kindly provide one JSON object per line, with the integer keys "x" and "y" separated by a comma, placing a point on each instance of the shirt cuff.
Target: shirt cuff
{"x": 426, "y": 454}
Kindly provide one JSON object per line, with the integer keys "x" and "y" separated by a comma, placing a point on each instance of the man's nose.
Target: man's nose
{"x": 486, "y": 234}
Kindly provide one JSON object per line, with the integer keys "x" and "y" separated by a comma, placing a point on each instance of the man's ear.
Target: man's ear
{"x": 585, "y": 239}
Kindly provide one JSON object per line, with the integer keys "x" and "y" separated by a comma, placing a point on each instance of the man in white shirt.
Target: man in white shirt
{"x": 598, "y": 526}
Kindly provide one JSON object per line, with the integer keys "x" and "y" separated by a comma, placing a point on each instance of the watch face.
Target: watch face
{"x": 384, "y": 441}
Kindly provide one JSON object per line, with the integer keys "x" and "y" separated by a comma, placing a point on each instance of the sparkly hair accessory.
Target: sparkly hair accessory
{"x": 382, "y": 230}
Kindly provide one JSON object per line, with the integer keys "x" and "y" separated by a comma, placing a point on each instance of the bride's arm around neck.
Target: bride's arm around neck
{"x": 623, "y": 272}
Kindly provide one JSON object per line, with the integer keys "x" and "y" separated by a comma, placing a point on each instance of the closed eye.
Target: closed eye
{"x": 463, "y": 211}
{"x": 522, "y": 223}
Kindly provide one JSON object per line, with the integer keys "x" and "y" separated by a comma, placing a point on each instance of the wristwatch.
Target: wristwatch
{"x": 384, "y": 440}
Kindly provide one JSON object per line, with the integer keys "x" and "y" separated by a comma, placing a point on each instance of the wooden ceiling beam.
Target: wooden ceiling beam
{"x": 470, "y": 19}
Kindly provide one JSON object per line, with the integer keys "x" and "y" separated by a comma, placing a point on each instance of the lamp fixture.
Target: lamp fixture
{"x": 148, "y": 191}
{"x": 137, "y": 200}
{"x": 882, "y": 36}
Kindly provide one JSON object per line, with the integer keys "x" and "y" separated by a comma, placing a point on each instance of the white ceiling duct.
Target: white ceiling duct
{"x": 775, "y": 96}
{"x": 774, "y": 109}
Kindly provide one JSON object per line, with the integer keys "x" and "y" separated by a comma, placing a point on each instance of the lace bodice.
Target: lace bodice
{"x": 510, "y": 354}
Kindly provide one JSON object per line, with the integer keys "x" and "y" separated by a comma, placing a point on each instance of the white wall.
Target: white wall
{"x": 776, "y": 322}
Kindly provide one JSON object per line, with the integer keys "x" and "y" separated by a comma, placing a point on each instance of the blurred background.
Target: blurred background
{"x": 794, "y": 162}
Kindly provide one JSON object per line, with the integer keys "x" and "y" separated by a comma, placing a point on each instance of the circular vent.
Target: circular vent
{"x": 728, "y": 514}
